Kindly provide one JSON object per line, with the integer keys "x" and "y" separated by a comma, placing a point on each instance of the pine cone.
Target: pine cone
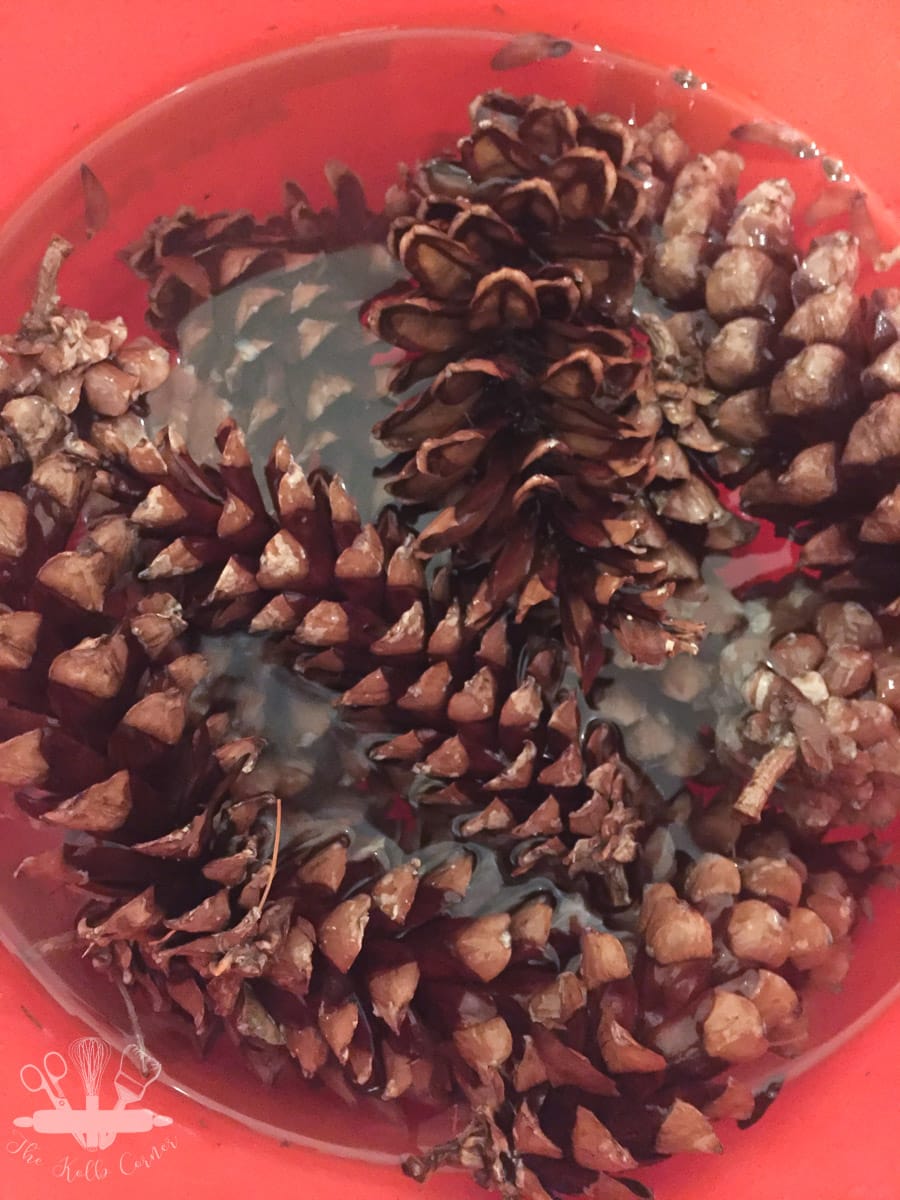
{"x": 827, "y": 431}
{"x": 711, "y": 255}
{"x": 263, "y": 315}
{"x": 543, "y": 429}
{"x": 187, "y": 257}
{"x": 715, "y": 960}
{"x": 794, "y": 397}
{"x": 501, "y": 757}
{"x": 736, "y": 261}
{"x": 67, "y": 381}
{"x": 534, "y": 169}
{"x": 87, "y": 369}
{"x": 170, "y": 841}
{"x": 304, "y": 565}
{"x": 805, "y": 372}
{"x": 821, "y": 733}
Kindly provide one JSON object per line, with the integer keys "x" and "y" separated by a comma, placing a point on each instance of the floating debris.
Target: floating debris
{"x": 834, "y": 169}
{"x": 778, "y": 137}
{"x": 528, "y": 48}
{"x": 888, "y": 259}
{"x": 764, "y": 1100}
{"x": 96, "y": 202}
{"x": 831, "y": 202}
{"x": 863, "y": 227}
{"x": 689, "y": 80}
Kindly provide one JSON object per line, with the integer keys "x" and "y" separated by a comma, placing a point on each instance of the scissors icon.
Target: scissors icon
{"x": 35, "y": 1080}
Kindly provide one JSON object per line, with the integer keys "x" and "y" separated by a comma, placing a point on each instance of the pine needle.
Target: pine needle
{"x": 275, "y": 849}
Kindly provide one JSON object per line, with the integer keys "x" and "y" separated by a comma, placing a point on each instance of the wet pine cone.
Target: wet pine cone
{"x": 501, "y": 758}
{"x": 829, "y": 448}
{"x": 188, "y": 257}
{"x": 263, "y": 314}
{"x": 296, "y": 559}
{"x": 547, "y": 443}
{"x": 804, "y": 372}
{"x": 811, "y": 689}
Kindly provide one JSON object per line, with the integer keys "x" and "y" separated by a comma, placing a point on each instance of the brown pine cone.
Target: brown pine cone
{"x": 511, "y": 134}
{"x": 86, "y": 369}
{"x": 846, "y": 483}
{"x": 809, "y": 379}
{"x": 166, "y": 833}
{"x": 693, "y": 224}
{"x": 549, "y": 523}
{"x": 544, "y": 171}
{"x": 744, "y": 269}
{"x": 810, "y": 707}
{"x": 705, "y": 978}
{"x": 736, "y": 262}
{"x": 799, "y": 407}
{"x": 103, "y": 736}
{"x": 187, "y": 258}
{"x": 392, "y": 960}
{"x": 64, "y": 379}
{"x": 500, "y": 755}
{"x": 542, "y": 427}
{"x": 264, "y": 316}
{"x": 305, "y": 565}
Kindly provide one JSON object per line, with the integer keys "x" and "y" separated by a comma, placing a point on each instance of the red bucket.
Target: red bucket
{"x": 89, "y": 68}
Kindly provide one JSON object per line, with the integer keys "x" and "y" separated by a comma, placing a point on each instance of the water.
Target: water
{"x": 231, "y": 141}
{"x": 323, "y": 395}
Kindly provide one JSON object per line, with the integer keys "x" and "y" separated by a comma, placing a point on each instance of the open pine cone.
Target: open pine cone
{"x": 826, "y": 427}
{"x": 545, "y": 1120}
{"x": 263, "y": 315}
{"x": 187, "y": 257}
{"x": 67, "y": 381}
{"x": 503, "y": 754}
{"x": 86, "y": 369}
{"x": 735, "y": 260}
{"x": 803, "y": 372}
{"x": 302, "y": 567}
{"x": 545, "y": 440}
{"x": 809, "y": 705}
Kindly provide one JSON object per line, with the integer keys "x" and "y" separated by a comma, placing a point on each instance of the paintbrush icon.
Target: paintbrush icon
{"x": 130, "y": 1084}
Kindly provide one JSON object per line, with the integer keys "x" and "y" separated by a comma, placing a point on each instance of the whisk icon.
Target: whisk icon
{"x": 90, "y": 1055}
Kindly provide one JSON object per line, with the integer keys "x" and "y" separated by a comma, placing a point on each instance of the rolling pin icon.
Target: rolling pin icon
{"x": 91, "y": 1124}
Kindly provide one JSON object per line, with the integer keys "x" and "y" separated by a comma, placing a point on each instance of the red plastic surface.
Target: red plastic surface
{"x": 85, "y": 65}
